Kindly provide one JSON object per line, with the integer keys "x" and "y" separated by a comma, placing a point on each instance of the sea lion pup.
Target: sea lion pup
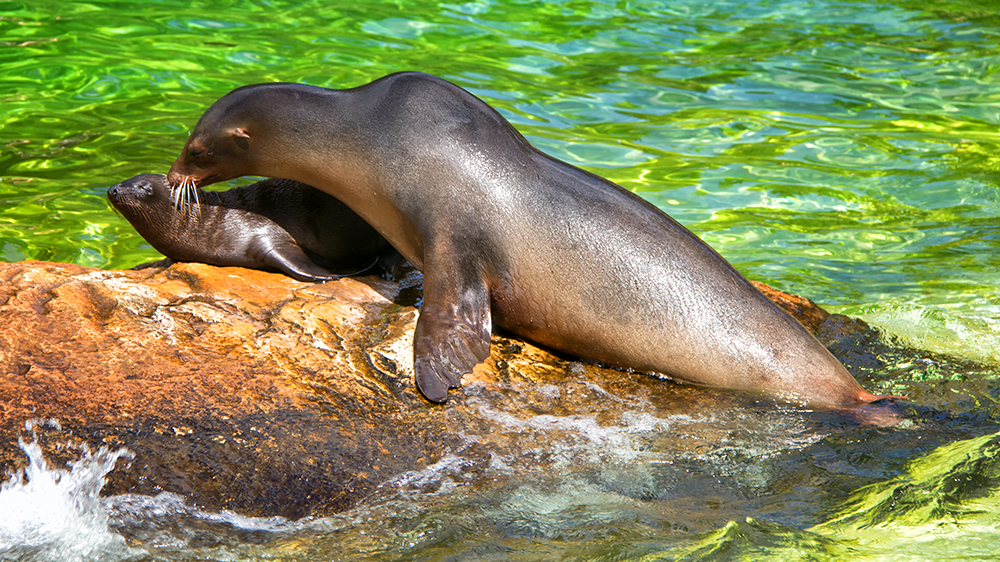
{"x": 273, "y": 224}
{"x": 504, "y": 233}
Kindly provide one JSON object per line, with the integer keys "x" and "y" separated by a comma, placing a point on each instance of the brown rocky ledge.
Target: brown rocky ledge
{"x": 251, "y": 391}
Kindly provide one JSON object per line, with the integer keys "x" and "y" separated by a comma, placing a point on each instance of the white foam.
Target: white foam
{"x": 166, "y": 506}
{"x": 443, "y": 473}
{"x": 49, "y": 514}
{"x": 584, "y": 433}
{"x": 52, "y": 514}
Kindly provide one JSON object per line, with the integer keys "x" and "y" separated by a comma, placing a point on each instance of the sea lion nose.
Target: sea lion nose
{"x": 173, "y": 176}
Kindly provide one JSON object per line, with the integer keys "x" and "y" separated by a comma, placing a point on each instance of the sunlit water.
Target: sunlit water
{"x": 846, "y": 151}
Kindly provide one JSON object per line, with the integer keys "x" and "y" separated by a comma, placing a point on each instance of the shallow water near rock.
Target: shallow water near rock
{"x": 734, "y": 479}
{"x": 841, "y": 150}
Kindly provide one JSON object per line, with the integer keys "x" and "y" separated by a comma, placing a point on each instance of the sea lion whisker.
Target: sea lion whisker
{"x": 177, "y": 219}
{"x": 175, "y": 194}
{"x": 197, "y": 200}
{"x": 192, "y": 199}
{"x": 186, "y": 197}
{"x": 181, "y": 194}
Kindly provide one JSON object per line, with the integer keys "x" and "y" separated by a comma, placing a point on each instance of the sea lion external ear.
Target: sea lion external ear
{"x": 242, "y": 138}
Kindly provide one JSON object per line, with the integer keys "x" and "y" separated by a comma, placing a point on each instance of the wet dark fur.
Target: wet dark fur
{"x": 273, "y": 224}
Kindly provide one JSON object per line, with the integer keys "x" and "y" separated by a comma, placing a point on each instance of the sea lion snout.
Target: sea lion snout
{"x": 115, "y": 193}
{"x": 141, "y": 187}
{"x": 181, "y": 176}
{"x": 175, "y": 177}
{"x": 181, "y": 172}
{"x": 207, "y": 159}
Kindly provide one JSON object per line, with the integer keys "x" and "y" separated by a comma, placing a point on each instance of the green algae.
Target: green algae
{"x": 945, "y": 505}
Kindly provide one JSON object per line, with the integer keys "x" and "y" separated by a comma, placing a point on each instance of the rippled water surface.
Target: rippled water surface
{"x": 843, "y": 150}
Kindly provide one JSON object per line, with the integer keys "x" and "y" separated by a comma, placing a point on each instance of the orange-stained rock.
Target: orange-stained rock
{"x": 803, "y": 309}
{"x": 248, "y": 390}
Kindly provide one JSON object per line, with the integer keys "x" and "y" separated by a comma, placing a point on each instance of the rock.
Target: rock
{"x": 251, "y": 391}
{"x": 803, "y": 309}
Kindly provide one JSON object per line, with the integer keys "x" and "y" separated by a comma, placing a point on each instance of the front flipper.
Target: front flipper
{"x": 453, "y": 330}
{"x": 287, "y": 256}
{"x": 165, "y": 262}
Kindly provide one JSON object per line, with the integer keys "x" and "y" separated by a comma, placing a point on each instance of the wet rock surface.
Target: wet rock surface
{"x": 250, "y": 391}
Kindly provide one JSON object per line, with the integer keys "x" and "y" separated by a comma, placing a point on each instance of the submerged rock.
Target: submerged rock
{"x": 251, "y": 391}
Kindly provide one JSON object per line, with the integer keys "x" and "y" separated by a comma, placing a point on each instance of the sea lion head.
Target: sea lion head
{"x": 146, "y": 202}
{"x": 225, "y": 144}
{"x": 141, "y": 195}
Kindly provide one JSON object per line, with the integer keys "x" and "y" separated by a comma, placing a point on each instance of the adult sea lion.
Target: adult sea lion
{"x": 505, "y": 233}
{"x": 273, "y": 224}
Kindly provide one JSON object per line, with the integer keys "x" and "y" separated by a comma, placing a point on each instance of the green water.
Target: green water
{"x": 843, "y": 150}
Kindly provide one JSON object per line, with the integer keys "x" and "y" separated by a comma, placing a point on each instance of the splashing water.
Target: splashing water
{"x": 50, "y": 514}
{"x": 55, "y": 514}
